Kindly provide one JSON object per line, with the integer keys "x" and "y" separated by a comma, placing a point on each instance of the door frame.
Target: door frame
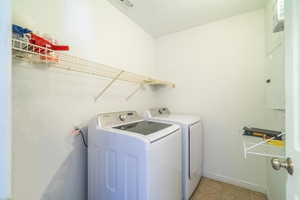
{"x": 5, "y": 100}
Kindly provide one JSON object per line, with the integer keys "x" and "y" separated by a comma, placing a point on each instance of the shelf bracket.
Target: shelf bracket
{"x": 108, "y": 85}
{"x": 35, "y": 54}
{"x": 135, "y": 91}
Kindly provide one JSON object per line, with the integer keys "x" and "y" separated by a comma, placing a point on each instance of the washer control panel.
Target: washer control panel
{"x": 117, "y": 118}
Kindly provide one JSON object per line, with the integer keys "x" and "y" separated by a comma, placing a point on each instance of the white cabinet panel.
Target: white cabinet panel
{"x": 273, "y": 40}
{"x": 275, "y": 79}
{"x": 274, "y": 72}
{"x": 196, "y": 155}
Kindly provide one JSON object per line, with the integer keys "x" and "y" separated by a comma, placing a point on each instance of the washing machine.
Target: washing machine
{"x": 192, "y": 146}
{"x": 131, "y": 158}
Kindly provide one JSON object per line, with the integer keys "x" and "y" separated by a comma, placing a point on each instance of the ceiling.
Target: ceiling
{"x": 160, "y": 17}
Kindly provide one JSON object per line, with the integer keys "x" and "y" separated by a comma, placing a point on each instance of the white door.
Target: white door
{"x": 293, "y": 95}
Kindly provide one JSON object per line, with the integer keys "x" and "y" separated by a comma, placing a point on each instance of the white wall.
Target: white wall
{"x": 219, "y": 72}
{"x": 5, "y": 100}
{"x": 49, "y": 162}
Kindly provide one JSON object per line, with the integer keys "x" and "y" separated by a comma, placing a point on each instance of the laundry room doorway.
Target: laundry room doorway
{"x": 292, "y": 163}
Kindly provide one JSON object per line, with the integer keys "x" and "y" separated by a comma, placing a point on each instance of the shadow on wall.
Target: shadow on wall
{"x": 70, "y": 181}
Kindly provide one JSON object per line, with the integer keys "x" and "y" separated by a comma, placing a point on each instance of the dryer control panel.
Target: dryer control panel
{"x": 117, "y": 118}
{"x": 154, "y": 112}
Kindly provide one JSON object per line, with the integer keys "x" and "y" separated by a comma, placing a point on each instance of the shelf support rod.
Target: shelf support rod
{"x": 265, "y": 154}
{"x": 135, "y": 91}
{"x": 108, "y": 85}
{"x": 245, "y": 150}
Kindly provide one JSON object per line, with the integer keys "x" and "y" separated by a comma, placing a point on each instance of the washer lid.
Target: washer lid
{"x": 143, "y": 127}
{"x": 184, "y": 119}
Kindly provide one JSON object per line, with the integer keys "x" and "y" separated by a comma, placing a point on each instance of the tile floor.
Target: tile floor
{"x": 214, "y": 190}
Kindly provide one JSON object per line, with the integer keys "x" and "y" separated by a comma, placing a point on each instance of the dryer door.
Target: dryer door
{"x": 195, "y": 155}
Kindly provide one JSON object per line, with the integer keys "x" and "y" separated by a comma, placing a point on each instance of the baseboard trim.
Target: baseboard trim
{"x": 237, "y": 182}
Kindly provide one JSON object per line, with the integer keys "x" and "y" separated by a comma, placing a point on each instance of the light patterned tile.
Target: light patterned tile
{"x": 209, "y": 189}
{"x": 228, "y": 197}
{"x": 258, "y": 196}
{"x": 206, "y": 196}
{"x": 228, "y": 193}
{"x": 208, "y": 186}
{"x": 239, "y": 192}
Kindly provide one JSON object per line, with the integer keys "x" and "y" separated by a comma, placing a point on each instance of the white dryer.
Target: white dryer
{"x": 192, "y": 146}
{"x": 130, "y": 158}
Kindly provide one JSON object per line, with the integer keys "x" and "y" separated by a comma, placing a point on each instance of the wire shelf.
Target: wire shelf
{"x": 260, "y": 147}
{"x": 26, "y": 51}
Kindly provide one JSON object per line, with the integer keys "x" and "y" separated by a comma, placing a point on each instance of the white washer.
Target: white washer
{"x": 192, "y": 146}
{"x": 130, "y": 158}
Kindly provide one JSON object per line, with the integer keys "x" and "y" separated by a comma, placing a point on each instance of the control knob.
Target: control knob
{"x": 123, "y": 117}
